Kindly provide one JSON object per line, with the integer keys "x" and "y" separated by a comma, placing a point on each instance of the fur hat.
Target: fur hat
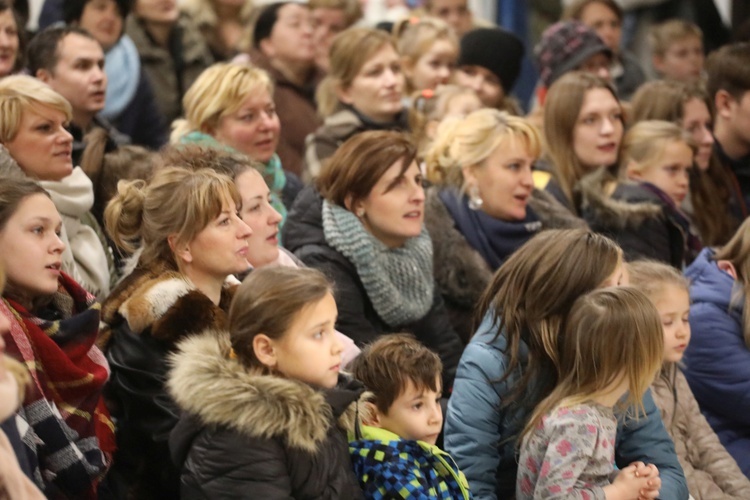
{"x": 495, "y": 49}
{"x": 565, "y": 46}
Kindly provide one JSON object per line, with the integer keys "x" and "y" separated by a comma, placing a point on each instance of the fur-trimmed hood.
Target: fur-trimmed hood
{"x": 167, "y": 304}
{"x": 609, "y": 203}
{"x": 220, "y": 391}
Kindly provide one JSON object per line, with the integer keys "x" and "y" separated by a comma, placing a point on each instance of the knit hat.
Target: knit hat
{"x": 265, "y": 22}
{"x": 565, "y": 46}
{"x": 495, "y": 49}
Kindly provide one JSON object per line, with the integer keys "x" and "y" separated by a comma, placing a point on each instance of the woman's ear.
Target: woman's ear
{"x": 728, "y": 267}
{"x": 265, "y": 350}
{"x": 470, "y": 178}
{"x": 182, "y": 253}
{"x": 343, "y": 94}
{"x": 633, "y": 171}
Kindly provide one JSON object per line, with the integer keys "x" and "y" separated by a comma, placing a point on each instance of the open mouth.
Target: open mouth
{"x": 57, "y": 266}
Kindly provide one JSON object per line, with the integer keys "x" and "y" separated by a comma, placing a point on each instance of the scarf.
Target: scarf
{"x": 122, "y": 64}
{"x": 693, "y": 244}
{"x": 398, "y": 281}
{"x": 273, "y": 173}
{"x": 494, "y": 239}
{"x": 64, "y": 404}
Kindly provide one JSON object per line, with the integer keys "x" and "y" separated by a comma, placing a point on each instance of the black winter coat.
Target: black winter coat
{"x": 246, "y": 435}
{"x": 358, "y": 320}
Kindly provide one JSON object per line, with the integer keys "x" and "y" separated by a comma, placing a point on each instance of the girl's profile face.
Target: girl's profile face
{"x": 670, "y": 172}
{"x": 434, "y": 67}
{"x": 31, "y": 248}
{"x": 673, "y": 304}
{"x": 378, "y": 88}
{"x": 598, "y": 129}
{"x": 310, "y": 350}
{"x": 258, "y": 213}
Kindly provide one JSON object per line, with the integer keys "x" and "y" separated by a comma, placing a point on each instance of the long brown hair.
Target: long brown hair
{"x": 611, "y": 332}
{"x": 737, "y": 251}
{"x": 533, "y": 291}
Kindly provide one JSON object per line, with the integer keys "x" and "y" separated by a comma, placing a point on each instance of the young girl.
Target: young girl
{"x": 710, "y": 470}
{"x": 612, "y": 345}
{"x": 431, "y": 107}
{"x": 265, "y": 409}
{"x": 657, "y": 158}
{"x": 428, "y": 49}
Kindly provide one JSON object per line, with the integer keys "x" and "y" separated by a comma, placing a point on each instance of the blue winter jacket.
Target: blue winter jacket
{"x": 717, "y": 359}
{"x": 479, "y": 430}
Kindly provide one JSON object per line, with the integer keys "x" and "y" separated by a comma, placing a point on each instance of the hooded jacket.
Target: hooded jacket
{"x": 461, "y": 273}
{"x": 145, "y": 316}
{"x": 717, "y": 360}
{"x": 634, "y": 217}
{"x": 710, "y": 471}
{"x": 244, "y": 432}
{"x": 358, "y": 320}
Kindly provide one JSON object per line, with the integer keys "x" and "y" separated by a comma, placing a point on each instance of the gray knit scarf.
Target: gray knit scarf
{"x": 398, "y": 281}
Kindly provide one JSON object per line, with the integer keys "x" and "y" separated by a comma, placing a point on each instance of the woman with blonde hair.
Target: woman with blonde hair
{"x": 484, "y": 205}
{"x": 713, "y": 196}
{"x": 428, "y": 49}
{"x": 38, "y": 145}
{"x": 512, "y": 361}
{"x": 53, "y": 326}
{"x": 717, "y": 361}
{"x": 190, "y": 238}
{"x": 583, "y": 128}
{"x": 363, "y": 91}
{"x": 231, "y": 106}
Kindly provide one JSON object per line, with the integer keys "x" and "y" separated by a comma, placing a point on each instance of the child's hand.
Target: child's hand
{"x": 629, "y": 485}
{"x": 653, "y": 484}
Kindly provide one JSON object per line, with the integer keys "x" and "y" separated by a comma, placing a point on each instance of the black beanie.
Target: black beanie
{"x": 265, "y": 22}
{"x": 495, "y": 49}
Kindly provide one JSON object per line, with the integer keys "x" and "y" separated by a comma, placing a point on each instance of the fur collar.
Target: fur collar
{"x": 468, "y": 275}
{"x": 259, "y": 406}
{"x": 601, "y": 207}
{"x": 166, "y": 303}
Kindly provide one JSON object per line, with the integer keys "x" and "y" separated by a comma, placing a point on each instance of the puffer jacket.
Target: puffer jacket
{"x": 460, "y": 271}
{"x": 358, "y": 320}
{"x": 480, "y": 433}
{"x": 247, "y": 435}
{"x": 145, "y": 316}
{"x": 710, "y": 471}
{"x": 717, "y": 360}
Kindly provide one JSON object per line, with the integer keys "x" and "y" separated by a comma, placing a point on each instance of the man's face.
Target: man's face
{"x": 79, "y": 75}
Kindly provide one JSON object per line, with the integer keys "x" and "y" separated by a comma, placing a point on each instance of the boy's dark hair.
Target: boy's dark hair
{"x": 73, "y": 9}
{"x": 386, "y": 365}
{"x": 729, "y": 69}
{"x": 43, "y": 50}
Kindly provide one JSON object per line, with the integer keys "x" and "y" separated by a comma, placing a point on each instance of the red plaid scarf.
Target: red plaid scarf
{"x": 67, "y": 369}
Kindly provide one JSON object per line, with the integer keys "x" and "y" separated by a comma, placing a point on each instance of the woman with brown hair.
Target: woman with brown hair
{"x": 189, "y": 238}
{"x": 365, "y": 231}
{"x": 583, "y": 129}
{"x": 363, "y": 91}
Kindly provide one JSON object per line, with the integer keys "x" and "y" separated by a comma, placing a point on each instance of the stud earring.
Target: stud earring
{"x": 360, "y": 213}
{"x": 475, "y": 201}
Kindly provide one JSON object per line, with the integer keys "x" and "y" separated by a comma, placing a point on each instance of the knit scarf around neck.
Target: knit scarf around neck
{"x": 493, "y": 238}
{"x": 398, "y": 281}
{"x": 64, "y": 404}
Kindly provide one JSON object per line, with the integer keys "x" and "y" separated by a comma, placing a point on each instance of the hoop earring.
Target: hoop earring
{"x": 475, "y": 200}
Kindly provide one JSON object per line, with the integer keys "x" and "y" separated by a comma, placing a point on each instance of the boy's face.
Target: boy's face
{"x": 414, "y": 415}
{"x": 682, "y": 61}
